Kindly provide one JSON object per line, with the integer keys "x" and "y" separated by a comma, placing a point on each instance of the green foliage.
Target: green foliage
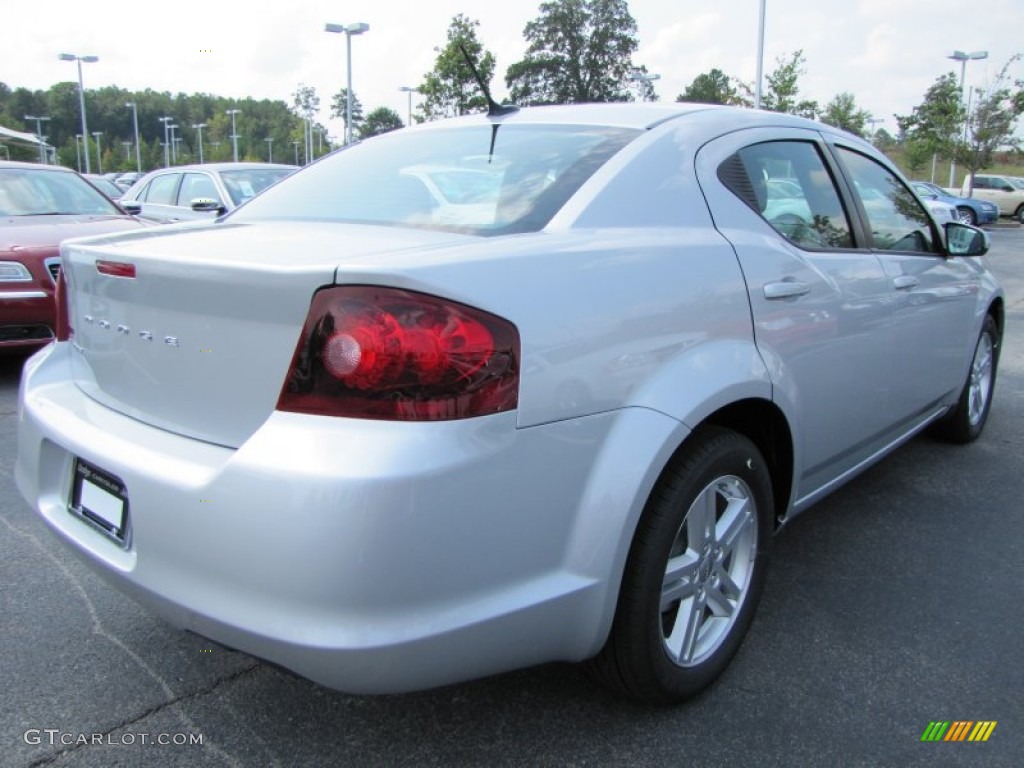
{"x": 579, "y": 51}
{"x": 450, "y": 89}
{"x": 993, "y": 120}
{"x": 782, "y": 93}
{"x": 843, "y": 112}
{"x": 937, "y": 121}
{"x": 106, "y": 112}
{"x": 339, "y": 108}
{"x": 380, "y": 120}
{"x": 711, "y": 87}
{"x": 917, "y": 153}
{"x": 883, "y": 140}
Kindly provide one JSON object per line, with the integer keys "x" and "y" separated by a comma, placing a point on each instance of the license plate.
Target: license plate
{"x": 101, "y": 499}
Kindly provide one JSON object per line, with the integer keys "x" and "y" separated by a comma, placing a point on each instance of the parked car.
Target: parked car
{"x": 125, "y": 180}
{"x": 1005, "y": 191}
{"x": 41, "y": 205}
{"x": 106, "y": 186}
{"x": 187, "y": 192}
{"x": 346, "y": 431}
{"x": 969, "y": 210}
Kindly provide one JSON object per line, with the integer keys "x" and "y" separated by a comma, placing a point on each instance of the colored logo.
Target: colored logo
{"x": 958, "y": 730}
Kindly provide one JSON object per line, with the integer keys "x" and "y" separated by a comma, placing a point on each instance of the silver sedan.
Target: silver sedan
{"x": 503, "y": 390}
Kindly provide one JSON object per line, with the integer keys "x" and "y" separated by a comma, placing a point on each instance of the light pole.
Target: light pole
{"x": 216, "y": 146}
{"x": 174, "y": 146}
{"x": 963, "y": 58}
{"x": 760, "y": 56}
{"x": 234, "y": 133}
{"x": 349, "y": 30}
{"x": 409, "y": 90}
{"x": 270, "y": 148}
{"x": 99, "y": 155}
{"x": 296, "y": 145}
{"x": 873, "y": 121}
{"x": 135, "y": 120}
{"x": 199, "y": 127}
{"x": 127, "y": 149}
{"x": 166, "y": 120}
{"x": 643, "y": 79}
{"x": 39, "y": 133}
{"x": 81, "y": 97}
{"x": 78, "y": 152}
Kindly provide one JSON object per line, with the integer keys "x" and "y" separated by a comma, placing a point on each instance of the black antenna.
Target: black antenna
{"x": 493, "y": 108}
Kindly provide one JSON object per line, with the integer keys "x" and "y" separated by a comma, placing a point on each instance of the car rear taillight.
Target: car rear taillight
{"x": 383, "y": 353}
{"x": 62, "y": 321}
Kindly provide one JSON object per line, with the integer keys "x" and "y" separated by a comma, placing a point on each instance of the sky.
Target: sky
{"x": 885, "y": 52}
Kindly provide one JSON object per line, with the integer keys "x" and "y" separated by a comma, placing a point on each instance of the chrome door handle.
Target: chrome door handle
{"x": 905, "y": 281}
{"x": 786, "y": 289}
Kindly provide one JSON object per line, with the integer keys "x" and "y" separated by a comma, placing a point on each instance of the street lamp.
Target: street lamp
{"x": 81, "y": 97}
{"x": 270, "y": 148}
{"x": 174, "y": 145}
{"x": 760, "y": 56}
{"x": 99, "y": 155}
{"x": 199, "y": 127}
{"x": 166, "y": 120}
{"x": 127, "y": 149}
{"x": 39, "y": 133}
{"x": 135, "y": 120}
{"x": 175, "y": 141}
{"x": 234, "y": 133}
{"x": 296, "y": 145}
{"x": 349, "y": 30}
{"x": 643, "y": 79}
{"x": 409, "y": 90}
{"x": 78, "y": 152}
{"x": 963, "y": 58}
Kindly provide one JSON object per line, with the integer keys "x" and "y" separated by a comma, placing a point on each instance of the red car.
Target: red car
{"x": 41, "y": 205}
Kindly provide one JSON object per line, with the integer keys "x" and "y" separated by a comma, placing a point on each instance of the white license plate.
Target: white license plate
{"x": 100, "y": 498}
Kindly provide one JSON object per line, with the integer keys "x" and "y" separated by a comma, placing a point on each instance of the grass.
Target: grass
{"x": 1005, "y": 163}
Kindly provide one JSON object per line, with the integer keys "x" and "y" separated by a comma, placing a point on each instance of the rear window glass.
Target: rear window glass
{"x": 482, "y": 180}
{"x": 29, "y": 192}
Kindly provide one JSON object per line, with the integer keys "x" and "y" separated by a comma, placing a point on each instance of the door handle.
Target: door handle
{"x": 785, "y": 289}
{"x": 904, "y": 281}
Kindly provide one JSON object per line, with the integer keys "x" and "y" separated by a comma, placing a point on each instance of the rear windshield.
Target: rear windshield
{"x": 249, "y": 182}
{"x": 480, "y": 180}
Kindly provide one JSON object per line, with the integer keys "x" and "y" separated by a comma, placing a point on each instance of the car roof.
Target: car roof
{"x": 33, "y": 166}
{"x": 219, "y": 167}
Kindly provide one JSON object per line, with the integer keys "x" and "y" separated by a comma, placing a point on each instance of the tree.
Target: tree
{"x": 843, "y": 112}
{"x": 783, "y": 89}
{"x": 883, "y": 140}
{"x": 306, "y": 104}
{"x": 936, "y": 122}
{"x": 579, "y": 51}
{"x": 338, "y": 109}
{"x": 450, "y": 89}
{"x": 993, "y": 120}
{"x": 381, "y": 120}
{"x": 712, "y": 87}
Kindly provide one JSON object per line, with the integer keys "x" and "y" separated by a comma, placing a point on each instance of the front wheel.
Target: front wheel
{"x": 1020, "y": 214}
{"x": 966, "y": 216}
{"x": 965, "y": 423}
{"x": 694, "y": 573}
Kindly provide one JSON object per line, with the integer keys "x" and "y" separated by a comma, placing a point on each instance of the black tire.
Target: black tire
{"x": 1020, "y": 214}
{"x": 966, "y": 216}
{"x": 965, "y": 422}
{"x": 706, "y": 601}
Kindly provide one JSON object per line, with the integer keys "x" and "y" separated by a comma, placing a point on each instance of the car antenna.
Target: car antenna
{"x": 493, "y": 108}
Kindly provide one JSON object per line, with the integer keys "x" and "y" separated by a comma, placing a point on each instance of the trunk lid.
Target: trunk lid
{"x": 199, "y": 341}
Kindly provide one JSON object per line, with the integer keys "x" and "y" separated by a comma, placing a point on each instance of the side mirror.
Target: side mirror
{"x": 965, "y": 240}
{"x": 207, "y": 205}
{"x": 132, "y": 206}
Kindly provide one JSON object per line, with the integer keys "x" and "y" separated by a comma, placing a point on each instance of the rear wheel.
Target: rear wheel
{"x": 1020, "y": 214}
{"x": 694, "y": 574}
{"x": 966, "y": 422}
{"x": 966, "y": 216}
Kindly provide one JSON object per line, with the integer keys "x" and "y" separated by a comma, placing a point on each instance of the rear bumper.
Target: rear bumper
{"x": 368, "y": 556}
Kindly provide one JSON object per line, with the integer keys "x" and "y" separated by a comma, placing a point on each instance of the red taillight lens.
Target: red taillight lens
{"x": 60, "y": 297}
{"x": 383, "y": 353}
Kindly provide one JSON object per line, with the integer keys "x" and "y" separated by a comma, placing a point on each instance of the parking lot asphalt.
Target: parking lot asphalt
{"x": 895, "y": 602}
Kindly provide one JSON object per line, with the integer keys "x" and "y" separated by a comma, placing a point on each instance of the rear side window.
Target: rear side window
{"x": 161, "y": 189}
{"x": 788, "y": 184}
{"x": 898, "y": 222}
{"x": 487, "y": 179}
{"x": 197, "y": 185}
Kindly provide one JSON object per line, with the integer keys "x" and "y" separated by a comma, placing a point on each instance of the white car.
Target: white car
{"x": 393, "y": 442}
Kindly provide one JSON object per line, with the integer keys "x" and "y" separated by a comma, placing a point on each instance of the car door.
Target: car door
{"x": 160, "y": 198}
{"x": 934, "y": 295}
{"x": 820, "y": 299}
{"x": 197, "y": 185}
